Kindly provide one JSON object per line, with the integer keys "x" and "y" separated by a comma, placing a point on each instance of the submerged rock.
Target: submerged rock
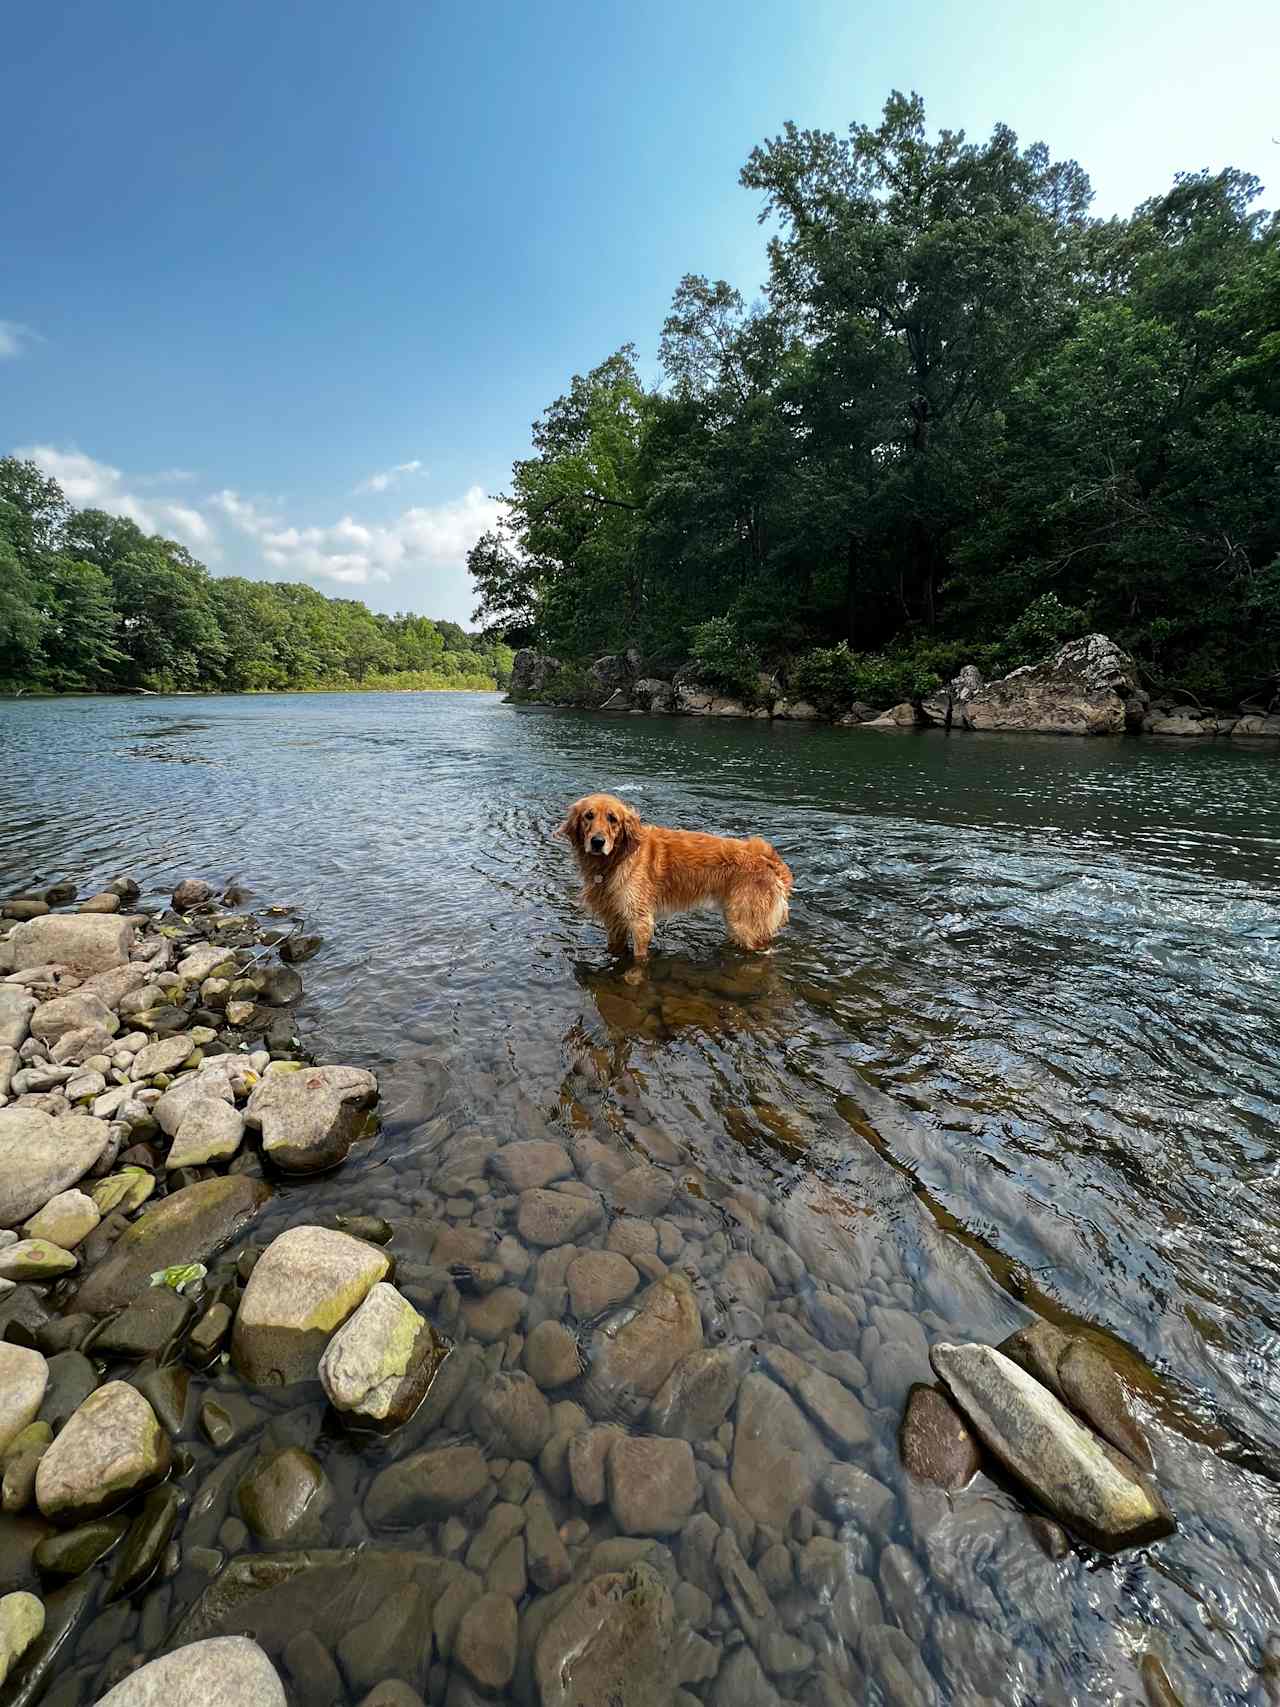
{"x": 1092, "y": 1387}
{"x": 635, "y": 1350}
{"x": 611, "y": 1643}
{"x": 306, "y": 1284}
{"x": 778, "y": 1455}
{"x": 41, "y": 1156}
{"x": 281, "y": 1492}
{"x": 109, "y": 1448}
{"x": 652, "y": 1484}
{"x": 226, "y": 1671}
{"x": 1038, "y": 1440}
{"x": 934, "y": 1441}
{"x": 380, "y": 1363}
{"x": 427, "y": 1486}
{"x": 311, "y": 1117}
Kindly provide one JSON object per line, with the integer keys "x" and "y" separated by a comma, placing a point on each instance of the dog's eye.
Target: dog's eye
{"x": 613, "y": 818}
{"x": 588, "y": 816}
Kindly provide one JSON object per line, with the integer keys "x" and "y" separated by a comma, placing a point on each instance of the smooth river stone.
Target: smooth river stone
{"x": 87, "y": 942}
{"x": 610, "y": 1642}
{"x": 24, "y": 1375}
{"x": 380, "y": 1363}
{"x": 1038, "y": 1440}
{"x": 778, "y": 1455}
{"x": 635, "y": 1350}
{"x": 304, "y": 1286}
{"x": 111, "y": 1446}
{"x": 226, "y": 1671}
{"x": 311, "y": 1117}
{"x": 41, "y": 1156}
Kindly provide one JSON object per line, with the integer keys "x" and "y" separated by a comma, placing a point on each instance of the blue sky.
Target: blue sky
{"x": 289, "y": 281}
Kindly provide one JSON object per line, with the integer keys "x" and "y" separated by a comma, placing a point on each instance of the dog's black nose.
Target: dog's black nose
{"x": 597, "y": 844}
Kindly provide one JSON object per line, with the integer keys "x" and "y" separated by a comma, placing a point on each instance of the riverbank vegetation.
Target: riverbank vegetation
{"x": 89, "y": 602}
{"x": 967, "y": 422}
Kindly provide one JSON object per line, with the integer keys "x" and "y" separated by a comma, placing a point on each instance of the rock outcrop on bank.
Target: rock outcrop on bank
{"x": 1087, "y": 687}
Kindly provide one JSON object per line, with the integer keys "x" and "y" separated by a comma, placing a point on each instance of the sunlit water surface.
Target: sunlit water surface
{"x": 1017, "y": 1052}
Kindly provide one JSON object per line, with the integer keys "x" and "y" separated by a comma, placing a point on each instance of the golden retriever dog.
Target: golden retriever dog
{"x": 634, "y": 874}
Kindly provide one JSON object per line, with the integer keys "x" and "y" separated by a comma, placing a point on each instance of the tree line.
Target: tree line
{"x": 966, "y": 422}
{"x": 89, "y": 602}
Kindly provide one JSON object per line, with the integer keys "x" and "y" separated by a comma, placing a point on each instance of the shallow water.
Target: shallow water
{"x": 1016, "y": 1053}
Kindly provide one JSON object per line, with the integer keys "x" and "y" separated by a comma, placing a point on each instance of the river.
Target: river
{"x": 1017, "y": 1052}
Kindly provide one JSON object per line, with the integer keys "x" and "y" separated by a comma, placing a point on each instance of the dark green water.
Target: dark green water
{"x": 1017, "y": 1051}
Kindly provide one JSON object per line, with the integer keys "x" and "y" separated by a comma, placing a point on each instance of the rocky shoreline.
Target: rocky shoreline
{"x": 529, "y": 1427}
{"x": 1087, "y": 687}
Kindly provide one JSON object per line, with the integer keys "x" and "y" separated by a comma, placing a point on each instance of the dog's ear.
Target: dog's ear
{"x": 572, "y": 819}
{"x": 630, "y": 838}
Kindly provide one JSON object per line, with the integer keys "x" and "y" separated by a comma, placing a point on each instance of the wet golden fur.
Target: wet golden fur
{"x": 634, "y": 873}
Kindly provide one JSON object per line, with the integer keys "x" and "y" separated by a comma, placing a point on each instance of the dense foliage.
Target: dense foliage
{"x": 89, "y": 601}
{"x": 969, "y": 421}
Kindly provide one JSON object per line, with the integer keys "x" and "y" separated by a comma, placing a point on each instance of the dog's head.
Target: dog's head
{"x": 600, "y": 825}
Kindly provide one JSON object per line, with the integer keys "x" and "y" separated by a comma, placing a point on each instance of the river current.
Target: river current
{"x": 1017, "y": 1054}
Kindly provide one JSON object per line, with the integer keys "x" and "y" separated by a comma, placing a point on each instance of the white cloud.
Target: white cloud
{"x": 388, "y": 477}
{"x": 349, "y": 552}
{"x": 93, "y": 485}
{"x": 15, "y": 338}
{"x": 355, "y": 553}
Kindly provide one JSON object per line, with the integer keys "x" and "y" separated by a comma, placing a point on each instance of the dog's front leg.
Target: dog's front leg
{"x": 642, "y": 935}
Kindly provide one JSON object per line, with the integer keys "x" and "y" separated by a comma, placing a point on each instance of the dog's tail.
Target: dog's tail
{"x": 774, "y": 860}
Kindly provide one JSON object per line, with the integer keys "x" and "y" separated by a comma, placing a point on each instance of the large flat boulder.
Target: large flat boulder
{"x": 87, "y": 942}
{"x": 1081, "y": 690}
{"x": 191, "y": 1225}
{"x": 227, "y": 1671}
{"x": 303, "y": 1287}
{"x": 1086, "y": 1485}
{"x": 41, "y": 1156}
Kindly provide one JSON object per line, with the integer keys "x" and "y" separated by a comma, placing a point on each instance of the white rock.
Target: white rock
{"x": 203, "y": 962}
{"x": 24, "y": 1375}
{"x": 380, "y": 1363}
{"x": 41, "y": 1156}
{"x": 109, "y": 1447}
{"x": 303, "y": 1287}
{"x": 311, "y": 1117}
{"x": 16, "y": 1009}
{"x": 166, "y": 1055}
{"x": 225, "y": 1671}
{"x": 210, "y": 1131}
{"x": 21, "y": 1621}
{"x": 1039, "y": 1441}
{"x": 64, "y": 1220}
{"x": 87, "y": 942}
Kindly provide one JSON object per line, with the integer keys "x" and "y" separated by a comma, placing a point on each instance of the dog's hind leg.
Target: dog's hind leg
{"x": 755, "y": 915}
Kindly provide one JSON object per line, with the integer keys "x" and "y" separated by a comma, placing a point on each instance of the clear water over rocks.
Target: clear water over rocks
{"x": 693, "y": 1237}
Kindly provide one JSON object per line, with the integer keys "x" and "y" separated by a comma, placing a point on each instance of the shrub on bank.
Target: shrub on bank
{"x": 724, "y": 660}
{"x": 833, "y": 676}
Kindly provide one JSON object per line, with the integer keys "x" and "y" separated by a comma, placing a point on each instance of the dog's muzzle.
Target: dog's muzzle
{"x": 597, "y": 844}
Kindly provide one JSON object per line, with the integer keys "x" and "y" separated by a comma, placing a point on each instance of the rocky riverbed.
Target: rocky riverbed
{"x": 539, "y": 1423}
